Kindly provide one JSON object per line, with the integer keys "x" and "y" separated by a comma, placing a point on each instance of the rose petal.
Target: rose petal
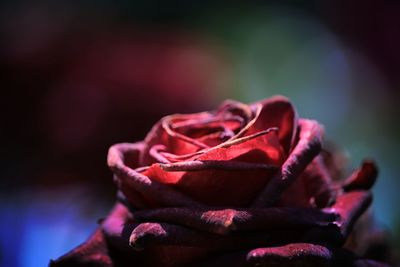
{"x": 297, "y": 254}
{"x": 306, "y": 149}
{"x": 278, "y": 112}
{"x": 131, "y": 182}
{"x": 156, "y": 234}
{"x": 118, "y": 227}
{"x": 236, "y": 140}
{"x": 314, "y": 188}
{"x": 362, "y": 178}
{"x": 198, "y": 128}
{"x": 319, "y": 184}
{"x": 209, "y": 185}
{"x": 94, "y": 252}
{"x": 162, "y": 134}
{"x": 350, "y": 206}
{"x": 226, "y": 220}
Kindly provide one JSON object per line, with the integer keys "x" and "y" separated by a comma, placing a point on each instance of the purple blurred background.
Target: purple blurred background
{"x": 77, "y": 78}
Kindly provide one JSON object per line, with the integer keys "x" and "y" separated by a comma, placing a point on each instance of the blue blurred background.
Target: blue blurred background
{"x": 78, "y": 77}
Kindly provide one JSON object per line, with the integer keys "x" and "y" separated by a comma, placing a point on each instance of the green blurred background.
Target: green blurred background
{"x": 80, "y": 76}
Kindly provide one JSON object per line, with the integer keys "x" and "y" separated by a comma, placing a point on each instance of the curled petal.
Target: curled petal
{"x": 308, "y": 146}
{"x": 350, "y": 206}
{"x": 161, "y": 133}
{"x": 227, "y": 220}
{"x": 155, "y": 153}
{"x": 125, "y": 154}
{"x": 132, "y": 181}
{"x": 215, "y": 151}
{"x": 176, "y": 136}
{"x": 362, "y": 178}
{"x": 279, "y": 112}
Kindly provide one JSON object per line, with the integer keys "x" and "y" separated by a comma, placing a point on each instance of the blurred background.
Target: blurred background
{"x": 78, "y": 76}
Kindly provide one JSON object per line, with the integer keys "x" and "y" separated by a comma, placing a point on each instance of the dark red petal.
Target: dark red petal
{"x": 278, "y": 112}
{"x": 296, "y": 254}
{"x": 350, "y": 206}
{"x": 362, "y": 178}
{"x": 163, "y": 234}
{"x": 218, "y": 221}
{"x": 319, "y": 184}
{"x": 306, "y": 149}
{"x": 208, "y": 185}
{"x": 117, "y": 226}
{"x": 176, "y": 143}
{"x": 94, "y": 252}
{"x": 128, "y": 153}
{"x": 131, "y": 182}
{"x": 226, "y": 220}
{"x": 314, "y": 188}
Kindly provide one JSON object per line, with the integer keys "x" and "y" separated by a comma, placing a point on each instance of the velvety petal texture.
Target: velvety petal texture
{"x": 243, "y": 185}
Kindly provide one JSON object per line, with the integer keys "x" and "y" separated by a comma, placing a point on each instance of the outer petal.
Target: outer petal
{"x": 94, "y": 252}
{"x": 307, "y": 148}
{"x": 118, "y": 227}
{"x": 226, "y": 221}
{"x": 296, "y": 254}
{"x": 313, "y": 188}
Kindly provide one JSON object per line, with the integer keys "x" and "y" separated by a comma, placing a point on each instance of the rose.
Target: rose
{"x": 210, "y": 187}
{"x": 209, "y": 153}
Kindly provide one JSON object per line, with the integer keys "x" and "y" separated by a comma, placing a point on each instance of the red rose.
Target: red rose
{"x": 244, "y": 185}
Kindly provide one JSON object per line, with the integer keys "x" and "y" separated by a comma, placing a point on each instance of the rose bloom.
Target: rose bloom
{"x": 244, "y": 185}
